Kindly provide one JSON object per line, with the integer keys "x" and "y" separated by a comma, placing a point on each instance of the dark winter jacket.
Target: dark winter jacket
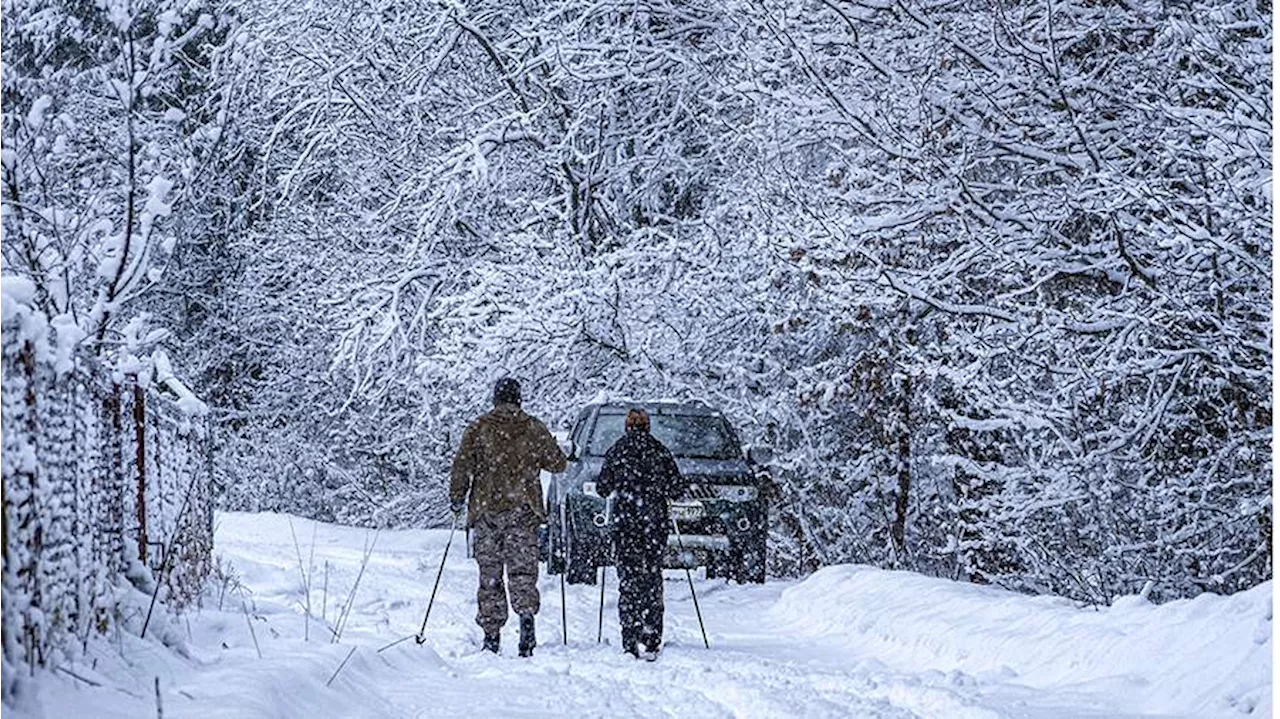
{"x": 498, "y": 463}
{"x": 643, "y": 476}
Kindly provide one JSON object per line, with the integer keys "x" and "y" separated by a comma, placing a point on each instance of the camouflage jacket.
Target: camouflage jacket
{"x": 496, "y": 467}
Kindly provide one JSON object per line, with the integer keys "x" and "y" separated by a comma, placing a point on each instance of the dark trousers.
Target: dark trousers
{"x": 506, "y": 540}
{"x": 640, "y": 600}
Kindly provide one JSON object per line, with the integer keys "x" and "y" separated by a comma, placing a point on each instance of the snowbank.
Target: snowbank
{"x": 1206, "y": 656}
{"x": 17, "y": 289}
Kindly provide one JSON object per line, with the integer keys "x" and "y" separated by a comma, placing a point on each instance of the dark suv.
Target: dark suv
{"x": 722, "y": 520}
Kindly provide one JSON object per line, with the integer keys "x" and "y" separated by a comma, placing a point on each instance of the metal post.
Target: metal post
{"x": 140, "y": 457}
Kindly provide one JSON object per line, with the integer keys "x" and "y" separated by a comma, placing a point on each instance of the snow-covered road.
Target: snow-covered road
{"x": 849, "y": 641}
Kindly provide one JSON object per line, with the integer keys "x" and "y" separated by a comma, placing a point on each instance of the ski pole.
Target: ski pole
{"x": 564, "y": 569}
{"x": 564, "y": 616}
{"x": 689, "y": 575}
{"x": 419, "y": 637}
{"x": 604, "y": 575}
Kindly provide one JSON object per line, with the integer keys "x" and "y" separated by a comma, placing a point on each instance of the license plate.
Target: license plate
{"x": 686, "y": 512}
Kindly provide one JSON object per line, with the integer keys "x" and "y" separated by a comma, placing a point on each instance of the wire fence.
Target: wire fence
{"x": 105, "y": 491}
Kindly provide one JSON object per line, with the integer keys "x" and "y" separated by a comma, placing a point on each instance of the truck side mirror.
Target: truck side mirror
{"x": 760, "y": 455}
{"x": 567, "y": 448}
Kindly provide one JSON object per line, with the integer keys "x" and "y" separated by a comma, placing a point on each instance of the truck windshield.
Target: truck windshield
{"x": 686, "y": 435}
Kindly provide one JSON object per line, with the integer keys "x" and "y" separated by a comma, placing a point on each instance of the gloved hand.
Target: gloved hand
{"x": 457, "y": 508}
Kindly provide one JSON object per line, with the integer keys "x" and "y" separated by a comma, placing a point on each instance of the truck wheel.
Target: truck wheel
{"x": 720, "y": 564}
{"x": 579, "y": 567}
{"x": 555, "y": 542}
{"x": 751, "y": 562}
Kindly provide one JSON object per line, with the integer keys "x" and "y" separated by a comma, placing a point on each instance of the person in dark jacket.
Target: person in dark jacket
{"x": 495, "y": 475}
{"x": 642, "y": 475}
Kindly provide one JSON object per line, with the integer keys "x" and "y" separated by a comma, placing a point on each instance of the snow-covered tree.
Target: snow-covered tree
{"x": 992, "y": 277}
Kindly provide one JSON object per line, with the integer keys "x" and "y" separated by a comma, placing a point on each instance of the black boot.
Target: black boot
{"x": 527, "y": 640}
{"x": 491, "y": 642}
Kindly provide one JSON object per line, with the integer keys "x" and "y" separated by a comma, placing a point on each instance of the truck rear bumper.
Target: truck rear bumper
{"x": 689, "y": 551}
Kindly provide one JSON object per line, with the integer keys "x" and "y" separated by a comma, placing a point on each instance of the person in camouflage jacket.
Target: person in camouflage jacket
{"x": 495, "y": 474}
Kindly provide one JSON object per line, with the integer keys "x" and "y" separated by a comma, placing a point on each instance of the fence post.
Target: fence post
{"x": 114, "y": 526}
{"x": 164, "y": 502}
{"x": 30, "y": 518}
{"x": 63, "y": 566}
{"x": 140, "y": 435}
{"x": 8, "y": 558}
{"x": 7, "y": 658}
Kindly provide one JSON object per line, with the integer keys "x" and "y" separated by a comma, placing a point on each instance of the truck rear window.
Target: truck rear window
{"x": 686, "y": 435}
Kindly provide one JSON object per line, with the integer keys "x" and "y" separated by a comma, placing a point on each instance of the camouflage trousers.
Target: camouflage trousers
{"x": 506, "y": 541}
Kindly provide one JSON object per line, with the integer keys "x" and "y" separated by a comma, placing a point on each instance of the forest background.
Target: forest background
{"x": 992, "y": 279}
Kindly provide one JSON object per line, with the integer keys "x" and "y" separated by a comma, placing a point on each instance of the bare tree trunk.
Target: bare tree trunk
{"x": 130, "y": 212}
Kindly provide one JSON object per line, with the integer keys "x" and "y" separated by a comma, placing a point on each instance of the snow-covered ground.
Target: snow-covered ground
{"x": 847, "y": 641}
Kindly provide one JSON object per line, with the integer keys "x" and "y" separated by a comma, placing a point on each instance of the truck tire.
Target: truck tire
{"x": 579, "y": 567}
{"x": 720, "y": 564}
{"x": 751, "y": 561}
{"x": 555, "y": 541}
